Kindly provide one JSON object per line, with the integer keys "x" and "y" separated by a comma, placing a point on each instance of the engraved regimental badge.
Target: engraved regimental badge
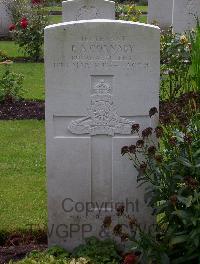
{"x": 102, "y": 118}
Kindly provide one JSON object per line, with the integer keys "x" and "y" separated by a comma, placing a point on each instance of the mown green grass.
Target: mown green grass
{"x": 22, "y": 175}
{"x": 59, "y": 8}
{"x": 55, "y": 19}
{"x": 11, "y": 49}
{"x": 142, "y": 8}
{"x": 33, "y": 79}
{"x": 143, "y": 19}
{"x": 53, "y": 8}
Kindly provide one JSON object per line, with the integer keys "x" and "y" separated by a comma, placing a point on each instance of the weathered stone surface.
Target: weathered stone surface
{"x": 101, "y": 76}
{"x": 160, "y": 12}
{"x": 5, "y": 19}
{"x": 74, "y": 10}
{"x": 185, "y": 14}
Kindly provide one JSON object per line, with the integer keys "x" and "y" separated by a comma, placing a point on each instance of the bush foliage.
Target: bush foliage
{"x": 10, "y": 83}
{"x": 28, "y": 27}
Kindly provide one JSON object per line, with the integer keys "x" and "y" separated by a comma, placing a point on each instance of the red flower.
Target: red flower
{"x": 36, "y": 2}
{"x": 24, "y": 22}
{"x": 130, "y": 259}
{"x": 12, "y": 27}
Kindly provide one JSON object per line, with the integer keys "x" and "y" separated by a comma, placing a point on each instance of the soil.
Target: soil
{"x": 25, "y": 60}
{"x": 18, "y": 244}
{"x": 28, "y": 109}
{"x": 23, "y": 109}
{"x": 18, "y": 252}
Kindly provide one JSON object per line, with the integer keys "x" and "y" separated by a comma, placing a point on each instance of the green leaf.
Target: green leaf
{"x": 185, "y": 162}
{"x": 165, "y": 259}
{"x": 185, "y": 200}
{"x": 178, "y": 240}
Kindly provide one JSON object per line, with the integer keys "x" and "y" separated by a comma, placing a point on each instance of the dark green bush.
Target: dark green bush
{"x": 28, "y": 30}
{"x": 99, "y": 252}
{"x": 10, "y": 83}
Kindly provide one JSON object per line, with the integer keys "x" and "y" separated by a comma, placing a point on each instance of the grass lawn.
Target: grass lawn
{"x": 53, "y": 8}
{"x": 33, "y": 79}
{"x": 59, "y": 8}
{"x": 22, "y": 175}
{"x": 11, "y": 49}
{"x": 143, "y": 19}
{"x": 142, "y": 8}
{"x": 55, "y": 19}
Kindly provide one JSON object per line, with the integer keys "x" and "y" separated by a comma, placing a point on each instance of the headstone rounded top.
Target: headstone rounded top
{"x": 74, "y": 10}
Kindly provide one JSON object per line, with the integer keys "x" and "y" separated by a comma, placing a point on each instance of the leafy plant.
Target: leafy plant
{"x": 28, "y": 30}
{"x": 172, "y": 170}
{"x": 128, "y": 12}
{"x": 91, "y": 253}
{"x": 175, "y": 65}
{"x": 3, "y": 55}
{"x": 55, "y": 255}
{"x": 10, "y": 84}
{"x": 195, "y": 42}
{"x": 98, "y": 251}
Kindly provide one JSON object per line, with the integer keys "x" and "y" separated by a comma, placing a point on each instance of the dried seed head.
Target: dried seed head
{"x": 191, "y": 183}
{"x": 140, "y": 143}
{"x": 143, "y": 167}
{"x": 147, "y": 132}
{"x": 107, "y": 221}
{"x": 124, "y": 237}
{"x": 120, "y": 210}
{"x": 152, "y": 150}
{"x": 135, "y": 128}
{"x": 117, "y": 230}
{"x": 159, "y": 158}
{"x": 132, "y": 149}
{"x": 153, "y": 111}
{"x": 124, "y": 150}
{"x": 173, "y": 141}
{"x": 159, "y": 132}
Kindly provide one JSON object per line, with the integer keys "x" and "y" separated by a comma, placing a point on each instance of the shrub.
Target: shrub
{"x": 172, "y": 170}
{"x": 53, "y": 256}
{"x": 128, "y": 12}
{"x": 3, "y": 55}
{"x": 175, "y": 65}
{"x": 94, "y": 252}
{"x": 10, "y": 84}
{"x": 28, "y": 30}
{"x": 195, "y": 41}
{"x": 99, "y": 252}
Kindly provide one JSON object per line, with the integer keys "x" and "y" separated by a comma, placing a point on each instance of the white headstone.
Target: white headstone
{"x": 74, "y": 10}
{"x": 5, "y": 19}
{"x": 185, "y": 14}
{"x": 101, "y": 76}
{"x": 160, "y": 12}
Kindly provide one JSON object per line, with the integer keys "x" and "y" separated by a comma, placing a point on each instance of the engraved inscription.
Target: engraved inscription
{"x": 101, "y": 53}
{"x": 87, "y": 12}
{"x": 102, "y": 117}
